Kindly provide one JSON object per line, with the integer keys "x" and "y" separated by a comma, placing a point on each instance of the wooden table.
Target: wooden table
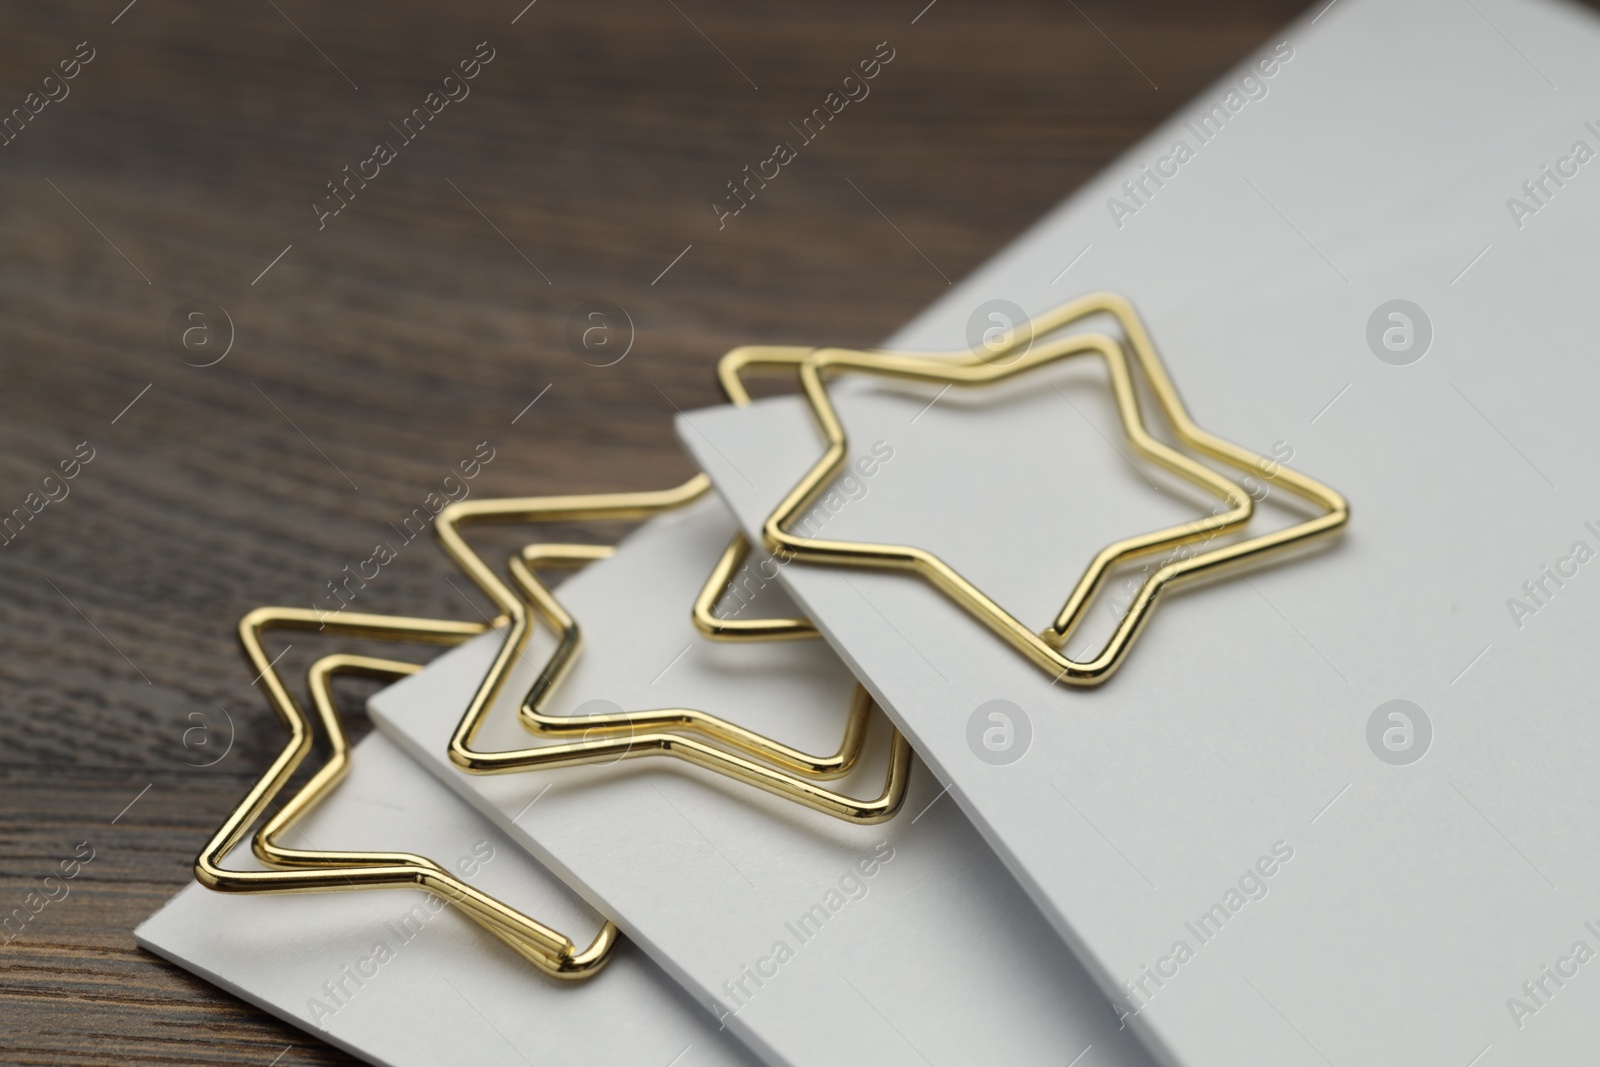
{"x": 372, "y": 350}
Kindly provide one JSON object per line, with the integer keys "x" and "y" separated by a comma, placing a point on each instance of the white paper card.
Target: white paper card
{"x": 933, "y": 954}
{"x": 440, "y": 990}
{"x": 1438, "y": 911}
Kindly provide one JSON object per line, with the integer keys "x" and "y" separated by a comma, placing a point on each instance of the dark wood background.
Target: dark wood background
{"x": 186, "y": 158}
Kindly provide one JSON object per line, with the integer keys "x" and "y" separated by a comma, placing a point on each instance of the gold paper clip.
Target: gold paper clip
{"x": 970, "y": 369}
{"x": 794, "y": 769}
{"x": 312, "y": 871}
{"x": 785, "y": 771}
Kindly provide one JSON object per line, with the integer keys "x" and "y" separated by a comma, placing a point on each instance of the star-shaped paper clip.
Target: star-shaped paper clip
{"x": 969, "y": 370}
{"x": 312, "y": 870}
{"x": 682, "y": 733}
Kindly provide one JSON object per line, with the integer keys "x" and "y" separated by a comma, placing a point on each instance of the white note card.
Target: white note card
{"x": 1341, "y": 810}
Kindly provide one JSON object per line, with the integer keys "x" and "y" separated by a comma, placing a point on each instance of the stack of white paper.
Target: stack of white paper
{"x": 814, "y": 940}
{"x": 1336, "y": 811}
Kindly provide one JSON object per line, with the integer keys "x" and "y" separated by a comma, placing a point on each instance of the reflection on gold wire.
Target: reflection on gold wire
{"x": 966, "y": 370}
{"x": 313, "y": 871}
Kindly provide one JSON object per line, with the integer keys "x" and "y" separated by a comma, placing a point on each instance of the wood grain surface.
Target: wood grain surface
{"x": 381, "y": 348}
